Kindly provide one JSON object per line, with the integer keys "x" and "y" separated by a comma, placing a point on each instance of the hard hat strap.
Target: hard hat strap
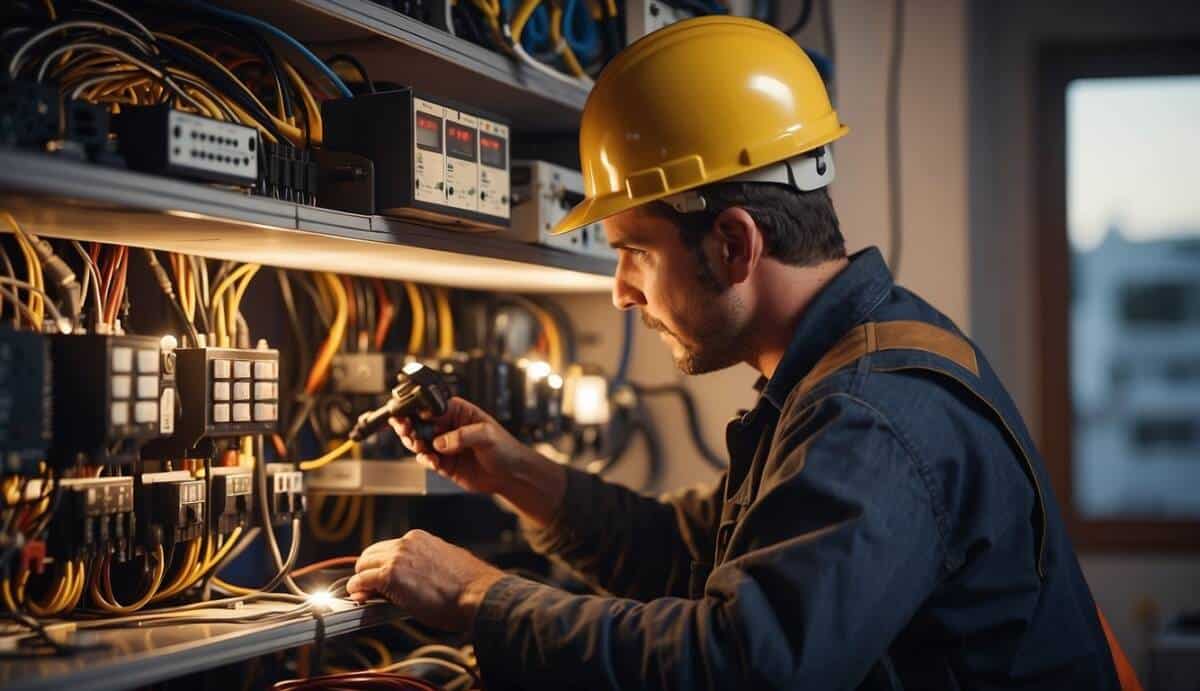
{"x": 809, "y": 171}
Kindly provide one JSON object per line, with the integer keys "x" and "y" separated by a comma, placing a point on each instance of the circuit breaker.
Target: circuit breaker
{"x": 223, "y": 392}
{"x": 434, "y": 160}
{"x": 111, "y": 393}
{"x": 170, "y": 508}
{"x": 543, "y": 193}
{"x": 25, "y": 400}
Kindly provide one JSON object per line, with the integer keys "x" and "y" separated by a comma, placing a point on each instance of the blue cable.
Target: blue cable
{"x": 536, "y": 33}
{"x": 279, "y": 33}
{"x": 823, "y": 64}
{"x": 587, "y": 45}
{"x": 626, "y": 350}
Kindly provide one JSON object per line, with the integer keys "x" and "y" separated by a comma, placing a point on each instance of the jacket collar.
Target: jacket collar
{"x": 844, "y": 303}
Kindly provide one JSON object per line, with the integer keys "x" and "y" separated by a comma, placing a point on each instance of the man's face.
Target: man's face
{"x": 699, "y": 319}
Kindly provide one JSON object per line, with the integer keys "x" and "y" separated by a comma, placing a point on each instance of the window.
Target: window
{"x": 1120, "y": 268}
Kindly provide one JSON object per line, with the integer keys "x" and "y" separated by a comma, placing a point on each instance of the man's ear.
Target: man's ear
{"x": 739, "y": 245}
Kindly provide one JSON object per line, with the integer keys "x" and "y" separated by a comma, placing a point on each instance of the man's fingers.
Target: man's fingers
{"x": 368, "y": 581}
{"x": 371, "y": 560}
{"x": 465, "y": 437}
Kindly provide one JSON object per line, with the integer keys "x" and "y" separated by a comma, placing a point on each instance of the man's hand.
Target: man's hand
{"x": 471, "y": 448}
{"x": 439, "y": 584}
{"x": 477, "y": 453}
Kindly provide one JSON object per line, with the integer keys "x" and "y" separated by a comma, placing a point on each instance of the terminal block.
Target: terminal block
{"x": 232, "y": 498}
{"x": 170, "y": 508}
{"x": 25, "y": 412}
{"x": 365, "y": 373}
{"x": 223, "y": 392}
{"x": 95, "y": 517}
{"x": 285, "y": 492}
{"x": 110, "y": 394}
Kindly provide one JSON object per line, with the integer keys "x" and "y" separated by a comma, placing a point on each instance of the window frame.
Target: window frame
{"x": 1058, "y": 64}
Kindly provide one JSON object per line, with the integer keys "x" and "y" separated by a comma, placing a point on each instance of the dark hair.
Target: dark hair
{"x": 799, "y": 228}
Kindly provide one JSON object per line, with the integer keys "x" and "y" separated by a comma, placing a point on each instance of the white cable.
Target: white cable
{"x": 584, "y": 82}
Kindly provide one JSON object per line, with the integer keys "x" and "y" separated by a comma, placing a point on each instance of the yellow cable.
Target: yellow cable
{"x": 416, "y": 337}
{"x": 183, "y": 574}
{"x": 316, "y": 125}
{"x": 322, "y": 461}
{"x": 522, "y": 15}
{"x": 337, "y": 331}
{"x": 560, "y": 45}
{"x": 50, "y": 10}
{"x": 64, "y": 582}
{"x": 115, "y": 608}
{"x": 385, "y": 657}
{"x": 33, "y": 268}
{"x": 217, "y": 558}
{"x": 80, "y": 579}
{"x": 445, "y": 321}
{"x": 235, "y": 304}
{"x": 6, "y": 594}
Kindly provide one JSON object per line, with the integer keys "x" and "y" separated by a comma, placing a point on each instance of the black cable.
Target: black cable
{"x": 264, "y": 512}
{"x": 432, "y": 320}
{"x": 303, "y": 347}
{"x": 164, "y": 283}
{"x": 353, "y": 62}
{"x": 693, "y": 419}
{"x": 893, "y": 139}
{"x": 802, "y": 20}
{"x": 368, "y": 320}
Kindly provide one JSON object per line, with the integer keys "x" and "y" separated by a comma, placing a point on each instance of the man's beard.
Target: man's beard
{"x": 718, "y": 347}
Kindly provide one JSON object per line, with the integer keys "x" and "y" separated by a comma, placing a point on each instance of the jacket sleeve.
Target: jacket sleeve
{"x": 603, "y": 531}
{"x": 836, "y": 555}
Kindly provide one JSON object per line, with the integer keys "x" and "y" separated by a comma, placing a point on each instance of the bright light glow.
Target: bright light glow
{"x": 412, "y": 368}
{"x": 322, "y": 599}
{"x": 64, "y": 325}
{"x": 537, "y": 370}
{"x": 590, "y": 400}
{"x": 168, "y": 342}
{"x": 555, "y": 381}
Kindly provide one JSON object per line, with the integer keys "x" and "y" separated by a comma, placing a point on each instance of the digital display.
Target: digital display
{"x": 460, "y": 141}
{"x": 493, "y": 151}
{"x": 429, "y": 132}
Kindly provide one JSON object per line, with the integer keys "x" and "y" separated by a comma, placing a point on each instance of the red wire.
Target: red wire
{"x": 118, "y": 292}
{"x": 387, "y": 313}
{"x": 327, "y": 564}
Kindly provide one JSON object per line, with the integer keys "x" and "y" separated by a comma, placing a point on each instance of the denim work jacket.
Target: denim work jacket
{"x": 892, "y": 528}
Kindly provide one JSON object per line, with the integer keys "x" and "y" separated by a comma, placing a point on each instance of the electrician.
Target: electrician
{"x": 886, "y": 521}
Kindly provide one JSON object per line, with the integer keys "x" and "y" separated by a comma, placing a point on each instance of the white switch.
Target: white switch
{"x": 241, "y": 412}
{"x": 265, "y": 369}
{"x": 220, "y": 412}
{"x": 265, "y": 412}
{"x": 265, "y": 390}
{"x": 220, "y": 391}
{"x": 241, "y": 391}
{"x": 120, "y": 414}
{"x": 241, "y": 369}
{"x": 147, "y": 387}
{"x": 122, "y": 385}
{"x": 122, "y": 359}
{"x": 221, "y": 369}
{"x": 145, "y": 411}
{"x": 147, "y": 361}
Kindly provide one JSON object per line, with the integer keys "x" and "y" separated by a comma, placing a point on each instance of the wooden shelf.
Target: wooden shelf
{"x": 62, "y": 198}
{"x": 397, "y": 48}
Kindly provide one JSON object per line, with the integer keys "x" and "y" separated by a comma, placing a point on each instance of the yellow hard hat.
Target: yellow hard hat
{"x": 701, "y": 101}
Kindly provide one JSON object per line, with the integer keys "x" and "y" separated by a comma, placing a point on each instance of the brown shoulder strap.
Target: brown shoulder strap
{"x": 898, "y": 335}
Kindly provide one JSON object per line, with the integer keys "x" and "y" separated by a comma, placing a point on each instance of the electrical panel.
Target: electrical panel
{"x": 543, "y": 193}
{"x": 164, "y": 141}
{"x": 647, "y": 16}
{"x": 433, "y": 160}
{"x": 108, "y": 391}
{"x": 223, "y": 392}
{"x": 96, "y": 516}
{"x": 170, "y": 508}
{"x": 365, "y": 373}
{"x": 285, "y": 493}
{"x": 25, "y": 400}
{"x": 232, "y": 498}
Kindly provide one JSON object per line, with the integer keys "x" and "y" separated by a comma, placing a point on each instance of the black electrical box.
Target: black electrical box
{"x": 285, "y": 493}
{"x": 434, "y": 160}
{"x": 95, "y": 517}
{"x": 107, "y": 389}
{"x": 170, "y": 508}
{"x": 223, "y": 392}
{"x": 25, "y": 400}
{"x": 232, "y": 499}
